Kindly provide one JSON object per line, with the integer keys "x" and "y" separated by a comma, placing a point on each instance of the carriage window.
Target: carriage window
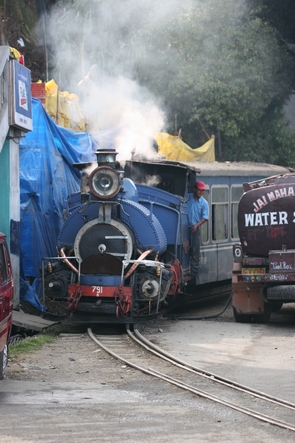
{"x": 236, "y": 193}
{"x": 219, "y": 213}
{"x": 205, "y": 226}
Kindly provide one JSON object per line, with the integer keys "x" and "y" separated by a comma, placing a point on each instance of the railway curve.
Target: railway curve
{"x": 153, "y": 360}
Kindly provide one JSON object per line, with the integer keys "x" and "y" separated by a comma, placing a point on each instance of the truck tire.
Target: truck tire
{"x": 281, "y": 293}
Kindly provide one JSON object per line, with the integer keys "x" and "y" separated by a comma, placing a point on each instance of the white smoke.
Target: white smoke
{"x": 121, "y": 103}
{"x": 113, "y": 35}
{"x": 114, "y": 99}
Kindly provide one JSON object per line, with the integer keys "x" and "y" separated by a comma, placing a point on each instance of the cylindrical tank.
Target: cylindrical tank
{"x": 266, "y": 218}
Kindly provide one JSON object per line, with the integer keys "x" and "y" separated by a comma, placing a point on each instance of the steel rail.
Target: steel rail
{"x": 151, "y": 347}
{"x": 192, "y": 389}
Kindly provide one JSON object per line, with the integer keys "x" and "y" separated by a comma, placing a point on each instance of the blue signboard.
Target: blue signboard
{"x": 21, "y": 106}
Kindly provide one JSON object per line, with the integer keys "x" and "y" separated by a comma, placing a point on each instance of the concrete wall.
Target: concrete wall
{"x": 4, "y": 190}
{"x": 10, "y": 205}
{"x": 9, "y": 173}
{"x": 4, "y": 125}
{"x": 14, "y": 205}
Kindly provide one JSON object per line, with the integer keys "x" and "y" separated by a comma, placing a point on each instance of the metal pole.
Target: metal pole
{"x": 45, "y": 47}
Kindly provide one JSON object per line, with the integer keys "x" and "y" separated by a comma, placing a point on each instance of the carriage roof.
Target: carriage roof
{"x": 222, "y": 168}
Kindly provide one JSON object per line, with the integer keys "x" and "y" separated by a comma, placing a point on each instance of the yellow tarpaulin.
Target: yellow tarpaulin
{"x": 63, "y": 107}
{"x": 175, "y": 149}
{"x": 15, "y": 53}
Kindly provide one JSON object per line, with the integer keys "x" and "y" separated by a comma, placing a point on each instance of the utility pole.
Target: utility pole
{"x": 3, "y": 34}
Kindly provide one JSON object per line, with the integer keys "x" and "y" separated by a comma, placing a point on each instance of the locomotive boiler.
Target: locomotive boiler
{"x": 264, "y": 261}
{"x": 112, "y": 263}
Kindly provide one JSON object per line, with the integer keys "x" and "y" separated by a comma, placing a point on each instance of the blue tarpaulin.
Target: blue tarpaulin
{"x": 28, "y": 293}
{"x": 47, "y": 177}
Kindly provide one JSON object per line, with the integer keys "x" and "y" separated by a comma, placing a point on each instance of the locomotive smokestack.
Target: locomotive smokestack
{"x": 106, "y": 157}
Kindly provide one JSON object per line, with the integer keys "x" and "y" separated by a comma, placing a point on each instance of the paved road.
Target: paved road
{"x": 71, "y": 391}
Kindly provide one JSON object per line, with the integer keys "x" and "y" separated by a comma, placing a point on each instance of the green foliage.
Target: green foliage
{"x": 274, "y": 143}
{"x": 225, "y": 81}
{"x": 21, "y": 19}
{"x": 215, "y": 66}
{"x": 30, "y": 344}
{"x": 279, "y": 13}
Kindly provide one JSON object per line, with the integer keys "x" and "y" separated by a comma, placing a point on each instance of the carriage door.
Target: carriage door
{"x": 220, "y": 229}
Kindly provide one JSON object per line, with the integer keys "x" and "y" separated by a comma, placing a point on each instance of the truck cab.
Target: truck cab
{"x": 6, "y": 302}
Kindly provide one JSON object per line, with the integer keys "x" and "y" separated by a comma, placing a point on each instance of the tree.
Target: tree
{"x": 222, "y": 67}
{"x": 278, "y": 13}
{"x": 220, "y": 70}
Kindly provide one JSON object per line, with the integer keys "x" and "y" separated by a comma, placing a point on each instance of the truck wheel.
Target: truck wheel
{"x": 3, "y": 361}
{"x": 241, "y": 318}
{"x": 281, "y": 293}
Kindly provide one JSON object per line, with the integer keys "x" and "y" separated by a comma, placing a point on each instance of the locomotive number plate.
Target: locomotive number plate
{"x": 97, "y": 290}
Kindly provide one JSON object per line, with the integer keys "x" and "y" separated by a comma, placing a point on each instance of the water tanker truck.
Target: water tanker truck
{"x": 263, "y": 275}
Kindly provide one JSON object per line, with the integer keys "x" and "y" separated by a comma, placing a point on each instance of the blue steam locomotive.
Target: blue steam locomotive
{"x": 118, "y": 259}
{"x": 124, "y": 248}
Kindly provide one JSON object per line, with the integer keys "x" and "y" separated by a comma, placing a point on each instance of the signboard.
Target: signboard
{"x": 20, "y": 113}
{"x": 266, "y": 218}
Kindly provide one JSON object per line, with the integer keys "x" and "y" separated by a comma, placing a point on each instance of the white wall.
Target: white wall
{"x": 15, "y": 211}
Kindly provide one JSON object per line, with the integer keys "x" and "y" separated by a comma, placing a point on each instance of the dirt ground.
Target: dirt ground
{"x": 73, "y": 391}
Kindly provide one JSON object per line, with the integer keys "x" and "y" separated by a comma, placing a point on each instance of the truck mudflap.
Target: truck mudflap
{"x": 248, "y": 303}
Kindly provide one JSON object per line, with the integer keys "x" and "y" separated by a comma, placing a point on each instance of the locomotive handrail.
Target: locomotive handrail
{"x": 134, "y": 266}
{"x": 144, "y": 262}
{"x": 154, "y": 263}
{"x": 125, "y": 263}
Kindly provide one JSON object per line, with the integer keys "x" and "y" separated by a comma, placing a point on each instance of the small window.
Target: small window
{"x": 219, "y": 213}
{"x": 236, "y": 194}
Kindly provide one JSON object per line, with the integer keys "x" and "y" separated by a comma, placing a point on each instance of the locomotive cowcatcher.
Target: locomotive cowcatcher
{"x": 113, "y": 262}
{"x": 264, "y": 262}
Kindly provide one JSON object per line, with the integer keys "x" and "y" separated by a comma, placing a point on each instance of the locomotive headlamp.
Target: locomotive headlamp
{"x": 104, "y": 182}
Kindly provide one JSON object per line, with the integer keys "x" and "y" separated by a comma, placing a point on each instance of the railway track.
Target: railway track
{"x": 139, "y": 353}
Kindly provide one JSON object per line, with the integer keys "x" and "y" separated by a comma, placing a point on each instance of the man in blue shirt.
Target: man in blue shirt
{"x": 198, "y": 214}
